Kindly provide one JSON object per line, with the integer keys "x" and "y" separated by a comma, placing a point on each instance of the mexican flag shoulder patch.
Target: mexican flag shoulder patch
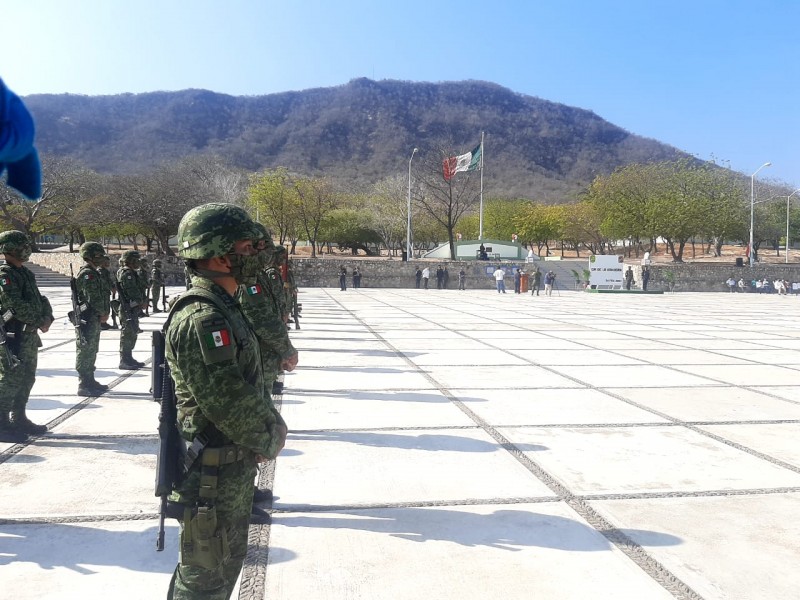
{"x": 5, "y": 280}
{"x": 217, "y": 339}
{"x": 254, "y": 290}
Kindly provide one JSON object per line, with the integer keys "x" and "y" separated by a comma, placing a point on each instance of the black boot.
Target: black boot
{"x": 9, "y": 435}
{"x": 261, "y": 496}
{"x": 258, "y": 516}
{"x": 277, "y": 388}
{"x": 128, "y": 363}
{"x": 21, "y": 422}
{"x": 88, "y": 386}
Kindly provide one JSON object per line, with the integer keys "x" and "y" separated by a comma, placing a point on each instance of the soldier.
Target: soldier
{"x": 156, "y": 283}
{"x": 132, "y": 299}
{"x": 93, "y": 294}
{"x": 215, "y": 362}
{"x": 260, "y": 305}
{"x": 20, "y": 297}
{"x": 144, "y": 282}
{"x": 110, "y": 283}
{"x": 275, "y": 279}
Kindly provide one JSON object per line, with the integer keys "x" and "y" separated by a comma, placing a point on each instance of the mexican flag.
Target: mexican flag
{"x": 254, "y": 290}
{"x": 466, "y": 162}
{"x": 218, "y": 339}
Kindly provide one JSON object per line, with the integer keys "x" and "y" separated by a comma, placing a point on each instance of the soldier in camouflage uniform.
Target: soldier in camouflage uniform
{"x": 156, "y": 283}
{"x": 20, "y": 294}
{"x": 275, "y": 279}
{"x": 131, "y": 293}
{"x": 144, "y": 281}
{"x": 93, "y": 294}
{"x": 260, "y": 306}
{"x": 110, "y": 282}
{"x": 214, "y": 357}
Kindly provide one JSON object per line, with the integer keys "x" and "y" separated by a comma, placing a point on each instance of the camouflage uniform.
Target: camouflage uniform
{"x": 93, "y": 294}
{"x": 156, "y": 283}
{"x": 215, "y": 361}
{"x": 144, "y": 281}
{"x": 131, "y": 291}
{"x": 275, "y": 279}
{"x": 260, "y": 306}
{"x": 32, "y": 311}
{"x": 110, "y": 284}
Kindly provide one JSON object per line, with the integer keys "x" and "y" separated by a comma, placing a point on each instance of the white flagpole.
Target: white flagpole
{"x": 480, "y": 219}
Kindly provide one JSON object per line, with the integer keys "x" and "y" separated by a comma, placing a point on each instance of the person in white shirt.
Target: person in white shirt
{"x": 426, "y": 275}
{"x": 499, "y": 275}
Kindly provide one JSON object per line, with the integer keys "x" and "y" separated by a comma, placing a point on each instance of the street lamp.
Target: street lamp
{"x": 787, "y": 224}
{"x": 752, "y": 203}
{"x": 408, "y": 225}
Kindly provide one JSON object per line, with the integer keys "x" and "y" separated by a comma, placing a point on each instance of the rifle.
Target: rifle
{"x": 75, "y": 315}
{"x": 6, "y": 338}
{"x": 171, "y": 450}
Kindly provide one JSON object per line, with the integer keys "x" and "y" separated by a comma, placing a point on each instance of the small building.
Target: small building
{"x": 470, "y": 250}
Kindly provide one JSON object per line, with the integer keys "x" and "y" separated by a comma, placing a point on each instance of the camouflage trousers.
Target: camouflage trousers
{"x": 155, "y": 296}
{"x": 16, "y": 382}
{"x": 86, "y": 354}
{"x": 127, "y": 337}
{"x": 233, "y": 505}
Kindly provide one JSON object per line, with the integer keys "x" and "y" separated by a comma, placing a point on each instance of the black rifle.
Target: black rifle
{"x": 75, "y": 316}
{"x": 171, "y": 450}
{"x": 6, "y": 338}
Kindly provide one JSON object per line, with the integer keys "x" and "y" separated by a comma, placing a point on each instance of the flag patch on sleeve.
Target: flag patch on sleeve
{"x": 4, "y": 281}
{"x": 254, "y": 290}
{"x": 218, "y": 339}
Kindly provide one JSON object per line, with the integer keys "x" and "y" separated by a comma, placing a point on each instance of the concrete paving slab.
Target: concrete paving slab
{"x": 714, "y": 403}
{"x": 551, "y": 407}
{"x": 778, "y": 440}
{"x": 631, "y": 376}
{"x": 608, "y": 460}
{"x": 317, "y": 468}
{"x": 735, "y": 547}
{"x": 683, "y": 357}
{"x": 521, "y": 551}
{"x": 760, "y": 375}
{"x": 567, "y": 357}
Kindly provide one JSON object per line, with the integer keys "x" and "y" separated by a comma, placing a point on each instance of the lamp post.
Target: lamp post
{"x": 786, "y": 254}
{"x": 752, "y": 204}
{"x": 408, "y": 225}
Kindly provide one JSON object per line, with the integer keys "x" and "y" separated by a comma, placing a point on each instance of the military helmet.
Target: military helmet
{"x": 212, "y": 229}
{"x": 129, "y": 256}
{"x": 157, "y": 262}
{"x": 92, "y": 251}
{"x": 264, "y": 234}
{"x": 16, "y": 244}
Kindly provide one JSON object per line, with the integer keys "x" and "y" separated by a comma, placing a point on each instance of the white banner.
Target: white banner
{"x": 605, "y": 272}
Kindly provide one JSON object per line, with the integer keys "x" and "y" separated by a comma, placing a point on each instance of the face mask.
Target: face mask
{"x": 240, "y": 268}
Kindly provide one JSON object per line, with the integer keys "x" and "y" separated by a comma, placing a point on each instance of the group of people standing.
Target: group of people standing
{"x": 343, "y": 278}
{"x": 422, "y": 277}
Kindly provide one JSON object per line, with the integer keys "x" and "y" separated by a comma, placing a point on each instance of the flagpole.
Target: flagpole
{"x": 480, "y": 220}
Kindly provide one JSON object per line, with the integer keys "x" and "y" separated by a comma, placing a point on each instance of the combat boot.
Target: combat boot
{"x": 88, "y": 386}
{"x": 261, "y": 496}
{"x": 277, "y": 388}
{"x": 258, "y": 516}
{"x": 21, "y": 422}
{"x": 9, "y": 435}
{"x": 128, "y": 363}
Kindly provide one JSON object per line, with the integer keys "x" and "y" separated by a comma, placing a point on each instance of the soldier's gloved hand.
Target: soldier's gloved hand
{"x": 282, "y": 431}
{"x": 290, "y": 363}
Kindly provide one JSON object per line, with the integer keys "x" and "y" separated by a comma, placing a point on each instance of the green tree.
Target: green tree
{"x": 273, "y": 199}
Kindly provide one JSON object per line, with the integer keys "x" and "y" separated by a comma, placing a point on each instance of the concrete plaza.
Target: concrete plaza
{"x": 447, "y": 444}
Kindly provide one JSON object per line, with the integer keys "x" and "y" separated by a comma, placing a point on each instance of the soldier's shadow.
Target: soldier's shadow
{"x": 80, "y": 548}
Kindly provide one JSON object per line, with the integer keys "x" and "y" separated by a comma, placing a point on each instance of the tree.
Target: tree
{"x": 445, "y": 201}
{"x": 538, "y": 224}
{"x": 316, "y": 198}
{"x": 349, "y": 228}
{"x": 389, "y": 207}
{"x": 273, "y": 198}
{"x": 66, "y": 186}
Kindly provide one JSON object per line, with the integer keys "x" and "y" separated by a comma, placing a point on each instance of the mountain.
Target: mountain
{"x": 364, "y": 130}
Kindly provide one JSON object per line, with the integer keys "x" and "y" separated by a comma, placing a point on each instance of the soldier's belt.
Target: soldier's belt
{"x": 223, "y": 455}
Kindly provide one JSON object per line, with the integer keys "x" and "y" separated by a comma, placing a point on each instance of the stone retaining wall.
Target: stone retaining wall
{"x": 382, "y": 273}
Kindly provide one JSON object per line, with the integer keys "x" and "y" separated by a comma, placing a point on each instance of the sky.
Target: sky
{"x": 719, "y": 79}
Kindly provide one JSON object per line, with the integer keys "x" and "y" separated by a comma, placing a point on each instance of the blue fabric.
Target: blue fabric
{"x": 17, "y": 153}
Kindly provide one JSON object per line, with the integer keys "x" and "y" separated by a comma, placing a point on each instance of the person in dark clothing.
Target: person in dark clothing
{"x": 462, "y": 279}
{"x": 418, "y": 277}
{"x": 356, "y": 278}
{"x": 439, "y": 278}
{"x": 445, "y": 278}
{"x": 645, "y": 278}
{"x": 343, "y": 279}
{"x": 517, "y": 280}
{"x": 628, "y": 278}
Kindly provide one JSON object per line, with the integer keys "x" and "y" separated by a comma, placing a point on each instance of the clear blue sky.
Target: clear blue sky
{"x": 715, "y": 78}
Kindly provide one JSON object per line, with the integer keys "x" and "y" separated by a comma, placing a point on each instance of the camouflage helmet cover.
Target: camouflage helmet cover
{"x": 92, "y": 251}
{"x": 129, "y": 256}
{"x": 264, "y": 234}
{"x": 212, "y": 229}
{"x": 16, "y": 244}
{"x": 157, "y": 262}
